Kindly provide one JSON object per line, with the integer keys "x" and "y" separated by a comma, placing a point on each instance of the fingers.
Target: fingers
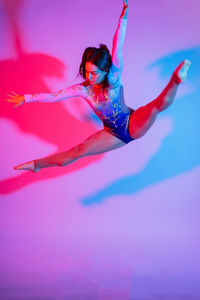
{"x": 10, "y": 100}
{"x": 13, "y": 94}
{"x": 125, "y": 3}
{"x": 18, "y": 104}
{"x": 125, "y": 9}
{"x": 12, "y": 97}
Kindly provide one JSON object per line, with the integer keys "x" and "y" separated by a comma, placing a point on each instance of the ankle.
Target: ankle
{"x": 36, "y": 167}
{"x": 175, "y": 78}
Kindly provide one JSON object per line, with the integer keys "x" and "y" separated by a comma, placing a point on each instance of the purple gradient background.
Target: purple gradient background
{"x": 122, "y": 225}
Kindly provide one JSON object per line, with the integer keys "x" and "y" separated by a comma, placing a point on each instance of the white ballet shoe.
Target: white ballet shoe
{"x": 180, "y": 74}
{"x": 31, "y": 166}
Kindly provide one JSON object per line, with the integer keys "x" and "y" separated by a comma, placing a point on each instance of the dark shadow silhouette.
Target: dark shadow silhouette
{"x": 180, "y": 150}
{"x": 25, "y": 74}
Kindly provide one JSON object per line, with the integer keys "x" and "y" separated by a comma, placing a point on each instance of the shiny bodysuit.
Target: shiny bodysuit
{"x": 112, "y": 111}
{"x": 108, "y": 105}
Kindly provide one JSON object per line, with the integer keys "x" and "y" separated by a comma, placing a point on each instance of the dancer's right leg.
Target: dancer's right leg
{"x": 143, "y": 118}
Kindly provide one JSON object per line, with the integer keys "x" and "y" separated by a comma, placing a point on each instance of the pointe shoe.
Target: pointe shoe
{"x": 31, "y": 166}
{"x": 36, "y": 169}
{"x": 180, "y": 74}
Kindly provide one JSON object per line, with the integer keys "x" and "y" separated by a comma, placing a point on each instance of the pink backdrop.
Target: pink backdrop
{"x": 121, "y": 225}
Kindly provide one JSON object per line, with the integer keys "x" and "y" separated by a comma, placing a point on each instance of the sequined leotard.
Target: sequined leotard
{"x": 112, "y": 111}
{"x": 109, "y": 105}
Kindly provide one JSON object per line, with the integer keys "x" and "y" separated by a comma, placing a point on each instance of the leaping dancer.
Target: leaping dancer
{"x": 103, "y": 90}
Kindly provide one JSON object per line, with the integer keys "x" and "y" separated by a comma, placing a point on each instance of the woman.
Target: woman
{"x": 103, "y": 90}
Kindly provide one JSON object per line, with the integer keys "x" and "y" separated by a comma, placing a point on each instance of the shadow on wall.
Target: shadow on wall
{"x": 49, "y": 122}
{"x": 180, "y": 150}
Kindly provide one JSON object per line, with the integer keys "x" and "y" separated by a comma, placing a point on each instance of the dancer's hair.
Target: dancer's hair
{"x": 99, "y": 57}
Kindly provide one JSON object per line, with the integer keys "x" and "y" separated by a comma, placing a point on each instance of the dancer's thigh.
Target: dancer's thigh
{"x": 142, "y": 119}
{"x": 100, "y": 142}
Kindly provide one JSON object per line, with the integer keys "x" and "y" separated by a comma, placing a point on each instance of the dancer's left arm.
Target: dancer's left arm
{"x": 118, "y": 41}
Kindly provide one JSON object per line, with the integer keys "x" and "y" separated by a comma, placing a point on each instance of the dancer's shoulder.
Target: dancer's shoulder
{"x": 114, "y": 76}
{"x": 79, "y": 88}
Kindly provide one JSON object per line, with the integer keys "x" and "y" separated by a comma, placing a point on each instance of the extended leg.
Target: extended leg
{"x": 100, "y": 142}
{"x": 143, "y": 118}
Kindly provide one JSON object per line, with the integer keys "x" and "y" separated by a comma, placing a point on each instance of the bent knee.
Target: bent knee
{"x": 70, "y": 156}
{"x": 137, "y": 133}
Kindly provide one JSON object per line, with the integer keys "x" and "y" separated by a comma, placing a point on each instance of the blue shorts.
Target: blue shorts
{"x": 121, "y": 131}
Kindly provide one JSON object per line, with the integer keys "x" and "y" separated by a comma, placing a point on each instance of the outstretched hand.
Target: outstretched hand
{"x": 15, "y": 98}
{"x": 125, "y": 2}
{"x": 125, "y": 9}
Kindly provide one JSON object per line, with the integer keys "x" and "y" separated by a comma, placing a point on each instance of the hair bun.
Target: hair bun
{"x": 104, "y": 47}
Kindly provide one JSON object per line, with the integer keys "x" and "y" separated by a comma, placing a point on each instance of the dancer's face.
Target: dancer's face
{"x": 93, "y": 74}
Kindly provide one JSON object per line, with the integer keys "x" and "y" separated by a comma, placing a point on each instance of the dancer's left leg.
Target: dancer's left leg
{"x": 143, "y": 118}
{"x": 99, "y": 142}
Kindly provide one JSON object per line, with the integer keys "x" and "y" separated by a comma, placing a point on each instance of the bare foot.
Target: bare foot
{"x": 31, "y": 165}
{"x": 181, "y": 71}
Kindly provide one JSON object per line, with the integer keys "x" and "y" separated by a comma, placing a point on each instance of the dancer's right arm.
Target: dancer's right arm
{"x": 76, "y": 90}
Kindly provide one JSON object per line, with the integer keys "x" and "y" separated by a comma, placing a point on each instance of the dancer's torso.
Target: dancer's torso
{"x": 109, "y": 105}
